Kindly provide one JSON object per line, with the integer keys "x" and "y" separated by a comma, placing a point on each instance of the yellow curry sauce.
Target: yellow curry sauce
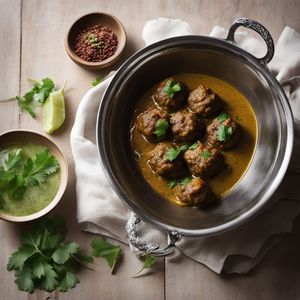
{"x": 237, "y": 159}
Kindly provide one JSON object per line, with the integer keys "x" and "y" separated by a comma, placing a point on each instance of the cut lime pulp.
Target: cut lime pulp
{"x": 54, "y": 111}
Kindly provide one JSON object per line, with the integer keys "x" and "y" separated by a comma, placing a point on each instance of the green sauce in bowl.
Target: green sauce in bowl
{"x": 36, "y": 197}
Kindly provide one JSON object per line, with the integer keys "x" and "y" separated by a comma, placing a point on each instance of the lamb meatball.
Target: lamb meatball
{"x": 223, "y": 133}
{"x": 171, "y": 94}
{"x": 150, "y": 121}
{"x": 162, "y": 165}
{"x": 204, "y": 161}
{"x": 186, "y": 126}
{"x": 195, "y": 193}
{"x": 204, "y": 101}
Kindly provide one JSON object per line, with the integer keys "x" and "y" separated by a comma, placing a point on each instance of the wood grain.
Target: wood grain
{"x": 43, "y": 26}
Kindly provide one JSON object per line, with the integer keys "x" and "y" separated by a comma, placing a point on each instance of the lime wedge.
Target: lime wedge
{"x": 54, "y": 111}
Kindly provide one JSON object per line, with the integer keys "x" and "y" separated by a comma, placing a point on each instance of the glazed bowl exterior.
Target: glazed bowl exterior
{"x": 221, "y": 59}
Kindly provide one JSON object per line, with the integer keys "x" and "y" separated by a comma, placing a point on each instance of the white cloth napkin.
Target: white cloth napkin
{"x": 100, "y": 211}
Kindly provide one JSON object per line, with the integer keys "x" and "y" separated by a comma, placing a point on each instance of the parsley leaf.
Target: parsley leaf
{"x": 222, "y": 117}
{"x": 224, "y": 133}
{"x": 96, "y": 81}
{"x": 37, "y": 95}
{"x": 64, "y": 252}
{"x": 69, "y": 281}
{"x": 24, "y": 280}
{"x": 161, "y": 128}
{"x": 149, "y": 261}
{"x": 205, "y": 154}
{"x": 49, "y": 282}
{"x": 18, "y": 258}
{"x": 110, "y": 252}
{"x": 44, "y": 261}
{"x": 171, "y": 88}
{"x": 173, "y": 153}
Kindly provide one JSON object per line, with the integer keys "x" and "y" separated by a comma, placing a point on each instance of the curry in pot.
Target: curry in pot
{"x": 193, "y": 137}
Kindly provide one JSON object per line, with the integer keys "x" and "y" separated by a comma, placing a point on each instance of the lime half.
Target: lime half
{"x": 54, "y": 112}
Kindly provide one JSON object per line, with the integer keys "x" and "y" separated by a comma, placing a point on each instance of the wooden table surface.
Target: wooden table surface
{"x": 32, "y": 46}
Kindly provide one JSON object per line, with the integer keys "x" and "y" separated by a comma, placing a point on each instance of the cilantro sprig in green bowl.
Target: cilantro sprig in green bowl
{"x": 33, "y": 175}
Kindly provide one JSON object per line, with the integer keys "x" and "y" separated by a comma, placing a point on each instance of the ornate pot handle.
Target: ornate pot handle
{"x": 261, "y": 30}
{"x": 135, "y": 240}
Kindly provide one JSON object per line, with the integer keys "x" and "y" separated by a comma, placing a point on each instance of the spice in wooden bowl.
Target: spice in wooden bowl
{"x": 95, "y": 43}
{"x": 95, "y": 40}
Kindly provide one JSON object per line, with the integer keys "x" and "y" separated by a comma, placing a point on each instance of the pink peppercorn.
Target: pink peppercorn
{"x": 95, "y": 43}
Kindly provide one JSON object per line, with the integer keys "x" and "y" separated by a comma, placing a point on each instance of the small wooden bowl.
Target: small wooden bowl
{"x": 17, "y": 136}
{"x": 92, "y": 19}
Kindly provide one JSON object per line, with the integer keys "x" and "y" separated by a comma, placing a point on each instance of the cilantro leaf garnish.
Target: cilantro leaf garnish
{"x": 205, "y": 154}
{"x": 35, "y": 171}
{"x": 17, "y": 173}
{"x": 161, "y": 128}
{"x": 194, "y": 146}
{"x": 44, "y": 260}
{"x": 149, "y": 261}
{"x": 37, "y": 95}
{"x": 185, "y": 180}
{"x": 96, "y": 81}
{"x": 109, "y": 251}
{"x": 171, "y": 183}
{"x": 171, "y": 88}
{"x": 173, "y": 153}
{"x": 224, "y": 133}
{"x": 222, "y": 117}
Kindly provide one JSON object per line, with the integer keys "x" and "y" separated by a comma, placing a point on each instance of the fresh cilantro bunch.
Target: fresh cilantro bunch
{"x": 17, "y": 172}
{"x": 45, "y": 261}
{"x": 36, "y": 96}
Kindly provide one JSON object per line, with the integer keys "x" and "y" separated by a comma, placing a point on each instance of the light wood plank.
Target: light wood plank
{"x": 10, "y": 24}
{"x": 9, "y": 62}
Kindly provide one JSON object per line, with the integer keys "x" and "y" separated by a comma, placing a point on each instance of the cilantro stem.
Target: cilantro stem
{"x": 83, "y": 264}
{"x": 38, "y": 250}
{"x": 8, "y": 99}
{"x": 63, "y": 88}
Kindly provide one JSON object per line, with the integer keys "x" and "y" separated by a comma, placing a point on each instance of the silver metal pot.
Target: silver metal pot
{"x": 219, "y": 58}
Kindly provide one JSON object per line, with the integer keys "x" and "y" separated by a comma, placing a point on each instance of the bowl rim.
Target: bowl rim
{"x": 61, "y": 188}
{"x": 235, "y": 50}
{"x": 106, "y": 61}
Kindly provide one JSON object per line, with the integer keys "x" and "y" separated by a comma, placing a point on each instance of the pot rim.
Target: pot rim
{"x": 216, "y": 44}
